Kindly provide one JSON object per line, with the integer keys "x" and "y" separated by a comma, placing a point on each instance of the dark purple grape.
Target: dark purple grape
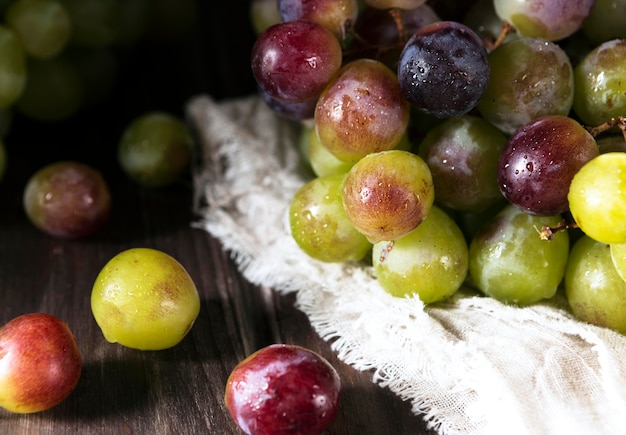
{"x": 443, "y": 69}
{"x": 538, "y": 163}
{"x": 294, "y": 61}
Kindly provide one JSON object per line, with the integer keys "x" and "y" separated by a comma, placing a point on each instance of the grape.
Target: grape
{"x": 618, "y": 256}
{"x": 361, "y": 111}
{"x": 335, "y": 15}
{"x": 400, "y": 4}
{"x": 43, "y": 26}
{"x": 12, "y": 68}
{"x": 462, "y": 153}
{"x": 381, "y": 37}
{"x": 387, "y": 194}
{"x": 606, "y": 21}
{"x": 597, "y": 199}
{"x": 443, "y": 69}
{"x": 600, "y": 92}
{"x": 319, "y": 223}
{"x": 94, "y": 22}
{"x": 511, "y": 263}
{"x": 431, "y": 261}
{"x": 54, "y": 91}
{"x": 283, "y": 389}
{"x": 595, "y": 291}
{"x": 322, "y": 161}
{"x": 144, "y": 299}
{"x": 295, "y": 111}
{"x": 294, "y": 61}
{"x": 263, "y": 14}
{"x": 551, "y": 20}
{"x": 67, "y": 199}
{"x": 155, "y": 149}
{"x": 530, "y": 78}
{"x": 539, "y": 161}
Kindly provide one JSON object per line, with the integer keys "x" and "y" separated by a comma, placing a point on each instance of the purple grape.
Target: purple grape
{"x": 443, "y": 69}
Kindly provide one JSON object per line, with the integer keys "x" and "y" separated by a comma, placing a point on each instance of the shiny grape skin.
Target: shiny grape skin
{"x": 600, "y": 83}
{"x": 294, "y": 61}
{"x": 443, "y": 69}
{"x": 530, "y": 78}
{"x": 539, "y": 162}
{"x": 335, "y": 15}
{"x": 551, "y": 20}
{"x": 361, "y": 111}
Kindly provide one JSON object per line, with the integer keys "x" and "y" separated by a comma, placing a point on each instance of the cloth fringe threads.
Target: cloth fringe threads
{"x": 469, "y": 365}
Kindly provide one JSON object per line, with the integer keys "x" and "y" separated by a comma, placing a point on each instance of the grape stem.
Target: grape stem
{"x": 619, "y": 122}
{"x": 547, "y": 232}
{"x": 386, "y": 250}
{"x": 505, "y": 30}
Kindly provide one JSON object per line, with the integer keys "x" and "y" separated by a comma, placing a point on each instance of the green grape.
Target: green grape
{"x": 618, "y": 256}
{"x": 12, "y": 68}
{"x": 54, "y": 91}
{"x": 431, "y": 261}
{"x": 319, "y": 224}
{"x": 606, "y": 21}
{"x": 322, "y": 161}
{"x": 263, "y": 14}
{"x": 511, "y": 263}
{"x": 530, "y": 78}
{"x": 155, "y": 149}
{"x": 387, "y": 194}
{"x": 600, "y": 92}
{"x": 43, "y": 26}
{"x": 94, "y": 22}
{"x": 595, "y": 291}
{"x": 462, "y": 153}
{"x": 597, "y": 198}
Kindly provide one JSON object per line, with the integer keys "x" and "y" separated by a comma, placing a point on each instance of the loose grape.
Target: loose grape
{"x": 67, "y": 199}
{"x": 387, "y": 194}
{"x": 511, "y": 263}
{"x": 595, "y": 291}
{"x": 530, "y": 78}
{"x": 539, "y": 161}
{"x": 144, "y": 299}
{"x": 431, "y": 261}
{"x": 600, "y": 91}
{"x": 443, "y": 69}
{"x": 43, "y": 26}
{"x": 155, "y": 149}
{"x": 319, "y": 223}
{"x": 361, "y": 111}
{"x": 294, "y": 61}
{"x": 12, "y": 68}
{"x": 597, "y": 199}
{"x": 54, "y": 91}
{"x": 462, "y": 153}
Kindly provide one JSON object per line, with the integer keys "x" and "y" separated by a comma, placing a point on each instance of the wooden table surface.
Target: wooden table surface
{"x": 180, "y": 390}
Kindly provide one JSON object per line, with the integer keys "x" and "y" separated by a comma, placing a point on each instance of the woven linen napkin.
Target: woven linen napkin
{"x": 469, "y": 365}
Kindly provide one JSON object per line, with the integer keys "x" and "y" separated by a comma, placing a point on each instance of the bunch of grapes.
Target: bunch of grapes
{"x": 459, "y": 143}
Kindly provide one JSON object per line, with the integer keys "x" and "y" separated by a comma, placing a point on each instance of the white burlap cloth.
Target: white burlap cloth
{"x": 469, "y": 366}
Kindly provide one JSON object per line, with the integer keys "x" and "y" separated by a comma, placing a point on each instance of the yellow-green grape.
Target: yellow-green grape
{"x": 597, "y": 198}
{"x": 12, "y": 68}
{"x": 54, "y": 91}
{"x": 431, "y": 261}
{"x": 43, "y": 26}
{"x": 263, "y": 14}
{"x": 600, "y": 87}
{"x": 322, "y": 161}
{"x": 618, "y": 255}
{"x": 594, "y": 289}
{"x": 144, "y": 299}
{"x": 510, "y": 262}
{"x": 155, "y": 149}
{"x": 319, "y": 224}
